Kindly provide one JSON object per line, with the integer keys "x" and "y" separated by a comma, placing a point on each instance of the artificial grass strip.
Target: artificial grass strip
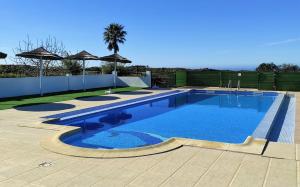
{"x": 50, "y": 98}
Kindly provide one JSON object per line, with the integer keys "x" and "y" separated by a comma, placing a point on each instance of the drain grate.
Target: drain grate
{"x": 45, "y": 164}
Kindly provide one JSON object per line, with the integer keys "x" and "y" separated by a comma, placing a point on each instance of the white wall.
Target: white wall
{"x": 12, "y": 87}
{"x": 54, "y": 84}
{"x": 96, "y": 81}
{"x": 142, "y": 82}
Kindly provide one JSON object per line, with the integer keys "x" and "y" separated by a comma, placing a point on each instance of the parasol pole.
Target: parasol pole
{"x": 41, "y": 76}
{"x": 83, "y": 76}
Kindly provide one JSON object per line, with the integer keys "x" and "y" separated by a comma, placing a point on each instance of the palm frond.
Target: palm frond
{"x": 114, "y": 34}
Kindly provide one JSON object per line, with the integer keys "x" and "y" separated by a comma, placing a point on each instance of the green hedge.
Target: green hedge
{"x": 248, "y": 79}
{"x": 195, "y": 78}
{"x": 266, "y": 81}
{"x": 181, "y": 78}
{"x": 288, "y": 81}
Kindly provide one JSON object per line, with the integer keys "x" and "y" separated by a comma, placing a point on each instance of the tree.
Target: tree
{"x": 108, "y": 67}
{"x": 94, "y": 70}
{"x": 72, "y": 66}
{"x": 50, "y": 44}
{"x": 113, "y": 35}
{"x": 289, "y": 68}
{"x": 267, "y": 67}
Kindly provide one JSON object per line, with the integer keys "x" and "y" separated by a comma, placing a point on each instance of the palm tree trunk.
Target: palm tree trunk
{"x": 115, "y": 73}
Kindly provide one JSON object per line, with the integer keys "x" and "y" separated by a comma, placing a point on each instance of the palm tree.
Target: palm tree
{"x": 113, "y": 35}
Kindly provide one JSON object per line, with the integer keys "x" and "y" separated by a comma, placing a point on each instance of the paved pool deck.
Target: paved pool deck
{"x": 297, "y": 127}
{"x": 22, "y": 157}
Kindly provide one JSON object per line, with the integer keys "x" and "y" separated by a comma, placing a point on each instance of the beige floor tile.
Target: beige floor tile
{"x": 298, "y": 151}
{"x": 252, "y": 172}
{"x": 281, "y": 172}
{"x": 164, "y": 169}
{"x": 78, "y": 167}
{"x": 40, "y": 172}
{"x": 280, "y": 150}
{"x": 144, "y": 163}
{"x": 191, "y": 171}
{"x": 298, "y": 173}
{"x": 118, "y": 178}
{"x": 16, "y": 170}
{"x": 3, "y": 178}
{"x": 222, "y": 171}
{"x": 80, "y": 180}
{"x": 54, "y": 179}
{"x": 149, "y": 179}
{"x": 13, "y": 183}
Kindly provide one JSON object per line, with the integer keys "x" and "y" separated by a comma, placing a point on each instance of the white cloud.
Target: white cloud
{"x": 291, "y": 40}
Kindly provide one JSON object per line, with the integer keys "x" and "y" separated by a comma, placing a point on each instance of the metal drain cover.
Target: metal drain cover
{"x": 45, "y": 164}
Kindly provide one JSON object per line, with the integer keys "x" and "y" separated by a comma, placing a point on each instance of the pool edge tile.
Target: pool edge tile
{"x": 280, "y": 150}
{"x": 53, "y": 143}
{"x": 251, "y": 145}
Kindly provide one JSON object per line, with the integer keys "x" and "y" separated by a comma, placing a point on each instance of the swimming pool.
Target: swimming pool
{"x": 221, "y": 116}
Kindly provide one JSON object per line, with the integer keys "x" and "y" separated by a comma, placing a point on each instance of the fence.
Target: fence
{"x": 164, "y": 79}
{"x": 12, "y": 87}
{"x": 248, "y": 79}
{"x": 181, "y": 77}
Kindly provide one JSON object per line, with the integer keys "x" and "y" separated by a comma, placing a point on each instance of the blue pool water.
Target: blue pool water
{"x": 219, "y": 116}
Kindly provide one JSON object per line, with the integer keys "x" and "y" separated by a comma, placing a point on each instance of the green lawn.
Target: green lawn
{"x": 50, "y": 98}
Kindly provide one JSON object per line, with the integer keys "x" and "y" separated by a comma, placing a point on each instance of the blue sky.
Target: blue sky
{"x": 227, "y": 34}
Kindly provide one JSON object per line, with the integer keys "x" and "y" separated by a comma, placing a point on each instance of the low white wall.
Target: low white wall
{"x": 12, "y": 87}
{"x": 75, "y": 82}
{"x": 95, "y": 81}
{"x": 143, "y": 82}
{"x": 53, "y": 84}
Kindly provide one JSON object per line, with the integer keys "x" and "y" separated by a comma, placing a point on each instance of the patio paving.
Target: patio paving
{"x": 22, "y": 158}
{"x": 297, "y": 127}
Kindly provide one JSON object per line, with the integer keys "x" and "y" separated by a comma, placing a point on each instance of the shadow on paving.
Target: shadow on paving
{"x": 97, "y": 98}
{"x": 157, "y": 89}
{"x": 135, "y": 93}
{"x": 43, "y": 107}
